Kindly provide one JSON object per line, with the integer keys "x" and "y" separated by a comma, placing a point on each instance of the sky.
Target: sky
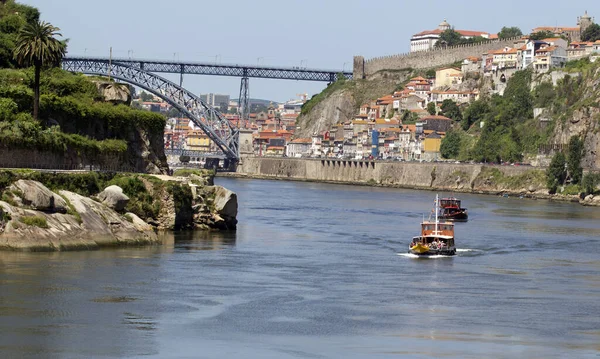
{"x": 312, "y": 33}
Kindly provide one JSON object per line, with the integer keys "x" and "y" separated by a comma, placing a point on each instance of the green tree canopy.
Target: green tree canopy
{"x": 449, "y": 38}
{"x": 508, "y": 32}
{"x": 574, "y": 159}
{"x": 450, "y": 146}
{"x": 556, "y": 173}
{"x": 431, "y": 108}
{"x": 37, "y": 46}
{"x": 450, "y": 109}
{"x": 540, "y": 35}
{"x": 146, "y": 97}
{"x": 592, "y": 33}
{"x": 590, "y": 182}
{"x": 475, "y": 113}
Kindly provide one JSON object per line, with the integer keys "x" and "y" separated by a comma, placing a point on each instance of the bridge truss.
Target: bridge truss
{"x": 211, "y": 121}
{"x": 199, "y": 68}
{"x": 243, "y": 71}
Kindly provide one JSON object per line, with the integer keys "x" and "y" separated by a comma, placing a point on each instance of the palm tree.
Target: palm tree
{"x": 37, "y": 46}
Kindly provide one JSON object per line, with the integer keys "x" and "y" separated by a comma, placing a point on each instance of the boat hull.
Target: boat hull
{"x": 434, "y": 252}
{"x": 458, "y": 216}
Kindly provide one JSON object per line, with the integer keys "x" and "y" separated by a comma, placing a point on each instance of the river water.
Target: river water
{"x": 320, "y": 271}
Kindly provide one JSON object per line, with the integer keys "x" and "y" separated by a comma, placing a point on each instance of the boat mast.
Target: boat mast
{"x": 436, "y": 213}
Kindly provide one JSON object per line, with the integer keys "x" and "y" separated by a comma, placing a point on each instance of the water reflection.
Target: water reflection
{"x": 200, "y": 241}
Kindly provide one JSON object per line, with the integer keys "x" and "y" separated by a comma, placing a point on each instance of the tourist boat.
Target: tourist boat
{"x": 437, "y": 238}
{"x": 451, "y": 210}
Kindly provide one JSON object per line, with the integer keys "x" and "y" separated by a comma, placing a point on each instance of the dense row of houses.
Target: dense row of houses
{"x": 398, "y": 126}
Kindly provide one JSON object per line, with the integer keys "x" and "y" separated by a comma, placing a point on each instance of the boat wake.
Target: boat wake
{"x": 467, "y": 250}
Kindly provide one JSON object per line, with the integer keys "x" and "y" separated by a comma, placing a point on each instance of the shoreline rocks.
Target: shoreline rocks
{"x": 34, "y": 218}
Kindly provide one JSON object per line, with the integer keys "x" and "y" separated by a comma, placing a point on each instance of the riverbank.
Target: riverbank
{"x": 45, "y": 211}
{"x": 522, "y": 181}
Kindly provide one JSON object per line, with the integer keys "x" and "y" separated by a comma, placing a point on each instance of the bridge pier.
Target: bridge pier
{"x": 244, "y": 99}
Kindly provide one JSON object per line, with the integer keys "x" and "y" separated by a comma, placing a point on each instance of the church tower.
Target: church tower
{"x": 584, "y": 22}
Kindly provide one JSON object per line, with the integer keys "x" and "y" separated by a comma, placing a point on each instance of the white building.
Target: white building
{"x": 299, "y": 147}
{"x": 426, "y": 40}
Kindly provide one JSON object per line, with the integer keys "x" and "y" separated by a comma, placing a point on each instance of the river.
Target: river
{"x": 320, "y": 271}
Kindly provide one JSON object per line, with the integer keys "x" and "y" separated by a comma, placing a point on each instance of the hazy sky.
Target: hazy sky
{"x": 313, "y": 33}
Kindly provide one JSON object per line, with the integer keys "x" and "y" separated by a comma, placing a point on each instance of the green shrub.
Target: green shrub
{"x": 35, "y": 221}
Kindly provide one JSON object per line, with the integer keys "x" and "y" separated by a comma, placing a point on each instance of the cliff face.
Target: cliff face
{"x": 577, "y": 113}
{"x": 146, "y": 151}
{"x": 341, "y": 102}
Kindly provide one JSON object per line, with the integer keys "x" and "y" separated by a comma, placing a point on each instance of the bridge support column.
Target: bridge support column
{"x": 243, "y": 105}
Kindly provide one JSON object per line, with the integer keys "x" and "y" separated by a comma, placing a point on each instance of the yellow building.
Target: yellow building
{"x": 432, "y": 143}
{"x": 198, "y": 141}
{"x": 448, "y": 76}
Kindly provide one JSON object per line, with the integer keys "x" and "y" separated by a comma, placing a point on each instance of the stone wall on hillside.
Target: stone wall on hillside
{"x": 69, "y": 160}
{"x": 441, "y": 176}
{"x": 425, "y": 59}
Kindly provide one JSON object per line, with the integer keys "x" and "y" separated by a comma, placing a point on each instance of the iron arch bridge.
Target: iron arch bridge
{"x": 211, "y": 121}
{"x": 244, "y": 71}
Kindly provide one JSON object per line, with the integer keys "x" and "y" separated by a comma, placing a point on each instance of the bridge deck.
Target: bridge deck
{"x": 199, "y": 68}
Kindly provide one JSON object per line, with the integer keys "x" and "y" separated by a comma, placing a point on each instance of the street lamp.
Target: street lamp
{"x": 344, "y": 67}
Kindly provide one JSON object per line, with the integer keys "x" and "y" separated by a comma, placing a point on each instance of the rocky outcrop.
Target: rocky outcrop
{"x": 191, "y": 204}
{"x": 226, "y": 208}
{"x": 340, "y": 105}
{"x": 113, "y": 197}
{"x": 578, "y": 114}
{"x": 337, "y": 108}
{"x": 591, "y": 200}
{"x": 146, "y": 150}
{"x": 116, "y": 93}
{"x": 87, "y": 225}
{"x": 36, "y": 196}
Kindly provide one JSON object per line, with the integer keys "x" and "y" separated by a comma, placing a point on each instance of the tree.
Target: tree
{"x": 430, "y": 74}
{"x": 574, "y": 159}
{"x": 409, "y": 117}
{"x": 184, "y": 158}
{"x": 590, "y": 182}
{"x": 508, "y": 32}
{"x": 556, "y": 174}
{"x": 449, "y": 38}
{"x": 592, "y": 33}
{"x": 474, "y": 113}
{"x": 36, "y": 45}
{"x": 431, "y": 108}
{"x": 146, "y": 97}
{"x": 540, "y": 35}
{"x": 450, "y": 146}
{"x": 450, "y": 109}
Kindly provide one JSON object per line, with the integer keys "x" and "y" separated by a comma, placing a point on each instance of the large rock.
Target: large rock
{"x": 226, "y": 206}
{"x": 94, "y": 225}
{"x": 113, "y": 197}
{"x": 114, "y": 92}
{"x": 38, "y": 197}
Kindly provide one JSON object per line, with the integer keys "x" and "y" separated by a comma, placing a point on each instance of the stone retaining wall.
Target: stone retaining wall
{"x": 443, "y": 176}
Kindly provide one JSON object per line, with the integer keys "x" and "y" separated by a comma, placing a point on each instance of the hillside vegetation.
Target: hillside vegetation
{"x": 73, "y": 114}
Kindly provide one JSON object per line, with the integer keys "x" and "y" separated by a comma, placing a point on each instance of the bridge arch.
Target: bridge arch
{"x": 211, "y": 121}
